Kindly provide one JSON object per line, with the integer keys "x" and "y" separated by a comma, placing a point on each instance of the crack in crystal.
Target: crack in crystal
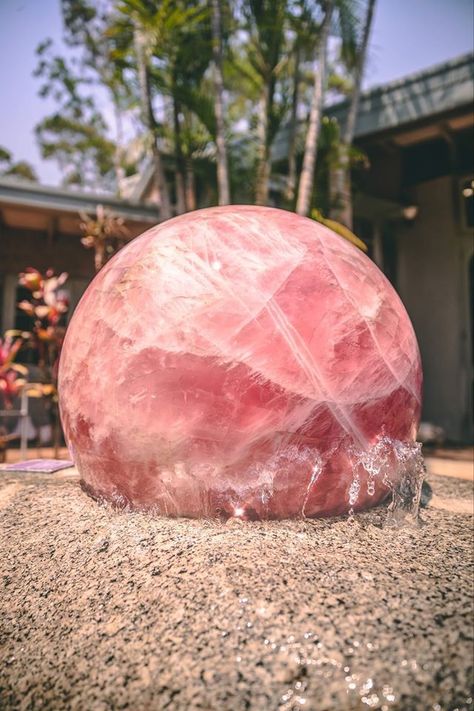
{"x": 315, "y": 474}
{"x": 307, "y": 364}
{"x": 366, "y": 320}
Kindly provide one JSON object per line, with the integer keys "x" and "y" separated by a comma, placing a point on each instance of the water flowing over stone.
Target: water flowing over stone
{"x": 244, "y": 362}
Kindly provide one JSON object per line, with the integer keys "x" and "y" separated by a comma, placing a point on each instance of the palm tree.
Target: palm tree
{"x": 222, "y": 164}
{"x": 305, "y": 187}
{"x": 166, "y": 31}
{"x": 293, "y": 126}
{"x": 267, "y": 21}
{"x": 176, "y": 34}
{"x": 342, "y": 180}
{"x": 304, "y": 29}
{"x": 178, "y": 152}
{"x": 142, "y": 53}
{"x": 185, "y": 45}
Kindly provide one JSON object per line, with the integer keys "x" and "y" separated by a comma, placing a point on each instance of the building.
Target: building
{"x": 40, "y": 227}
{"x": 414, "y": 207}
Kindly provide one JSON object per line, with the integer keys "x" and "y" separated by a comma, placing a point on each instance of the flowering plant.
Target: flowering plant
{"x": 47, "y": 305}
{"x": 10, "y": 372}
{"x": 105, "y": 234}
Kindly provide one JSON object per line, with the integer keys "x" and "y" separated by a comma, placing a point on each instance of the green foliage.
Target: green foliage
{"x": 76, "y": 135}
{"x": 81, "y": 148}
{"x": 266, "y": 58}
{"x": 178, "y": 39}
{"x": 348, "y": 26}
{"x": 269, "y": 48}
{"x": 23, "y": 169}
{"x": 5, "y": 156}
{"x": 330, "y": 151}
{"x": 88, "y": 28}
{"x": 20, "y": 169}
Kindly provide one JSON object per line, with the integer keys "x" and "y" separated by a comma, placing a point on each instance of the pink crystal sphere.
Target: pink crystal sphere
{"x": 238, "y": 361}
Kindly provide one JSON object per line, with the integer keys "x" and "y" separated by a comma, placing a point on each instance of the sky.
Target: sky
{"x": 407, "y": 36}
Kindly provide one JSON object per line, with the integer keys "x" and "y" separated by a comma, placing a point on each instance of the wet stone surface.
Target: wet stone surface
{"x": 101, "y": 610}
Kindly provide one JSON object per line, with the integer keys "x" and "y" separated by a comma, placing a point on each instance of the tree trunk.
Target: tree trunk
{"x": 342, "y": 211}
{"x": 181, "y": 205}
{"x": 190, "y": 185}
{"x": 263, "y": 151}
{"x": 290, "y": 190}
{"x": 222, "y": 164}
{"x": 305, "y": 187}
{"x": 149, "y": 121}
{"x": 118, "y": 152}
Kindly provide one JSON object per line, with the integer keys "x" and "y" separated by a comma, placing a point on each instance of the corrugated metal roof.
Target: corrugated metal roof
{"x": 34, "y": 195}
{"x": 432, "y": 92}
{"x": 437, "y": 90}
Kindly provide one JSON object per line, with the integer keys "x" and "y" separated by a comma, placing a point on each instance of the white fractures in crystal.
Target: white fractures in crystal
{"x": 315, "y": 474}
{"x": 308, "y": 365}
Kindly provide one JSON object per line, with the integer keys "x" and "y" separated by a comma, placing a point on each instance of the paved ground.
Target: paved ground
{"x": 14, "y": 454}
{"x": 108, "y": 611}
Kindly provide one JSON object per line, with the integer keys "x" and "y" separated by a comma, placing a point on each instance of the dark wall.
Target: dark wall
{"x": 21, "y": 248}
{"x": 382, "y": 178}
{"x": 394, "y": 170}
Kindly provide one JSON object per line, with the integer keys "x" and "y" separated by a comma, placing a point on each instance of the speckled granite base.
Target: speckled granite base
{"x": 107, "y": 611}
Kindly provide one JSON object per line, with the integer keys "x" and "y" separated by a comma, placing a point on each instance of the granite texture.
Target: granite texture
{"x": 102, "y": 610}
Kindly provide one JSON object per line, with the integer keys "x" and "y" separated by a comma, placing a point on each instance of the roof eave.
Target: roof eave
{"x": 34, "y": 196}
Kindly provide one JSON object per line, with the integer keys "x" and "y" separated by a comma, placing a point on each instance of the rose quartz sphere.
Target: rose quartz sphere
{"x": 239, "y": 361}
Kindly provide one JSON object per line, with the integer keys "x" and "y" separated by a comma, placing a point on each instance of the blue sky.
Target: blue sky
{"x": 408, "y": 35}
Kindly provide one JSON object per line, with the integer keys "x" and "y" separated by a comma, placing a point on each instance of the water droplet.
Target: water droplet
{"x": 397, "y": 465}
{"x": 354, "y": 490}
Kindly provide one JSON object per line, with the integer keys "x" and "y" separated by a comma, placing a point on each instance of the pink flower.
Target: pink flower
{"x": 32, "y": 279}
